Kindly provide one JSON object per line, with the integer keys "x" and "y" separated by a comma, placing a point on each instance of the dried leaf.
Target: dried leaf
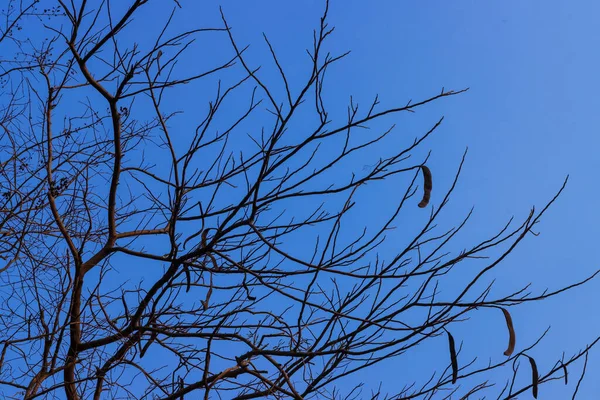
{"x": 511, "y": 332}
{"x": 427, "y": 186}
{"x": 534, "y": 377}
{"x": 453, "y": 359}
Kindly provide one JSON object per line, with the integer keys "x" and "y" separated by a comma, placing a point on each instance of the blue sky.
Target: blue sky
{"x": 529, "y": 120}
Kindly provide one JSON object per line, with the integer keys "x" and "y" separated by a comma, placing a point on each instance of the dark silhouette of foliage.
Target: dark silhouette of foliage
{"x": 221, "y": 255}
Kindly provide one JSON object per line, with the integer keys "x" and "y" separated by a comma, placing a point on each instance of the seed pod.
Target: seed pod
{"x": 511, "y": 332}
{"x": 208, "y": 294}
{"x": 534, "y": 377}
{"x": 144, "y": 349}
{"x": 427, "y": 186}
{"x": 204, "y": 235}
{"x": 564, "y": 367}
{"x": 453, "y": 359}
{"x": 245, "y": 286}
{"x": 188, "y": 277}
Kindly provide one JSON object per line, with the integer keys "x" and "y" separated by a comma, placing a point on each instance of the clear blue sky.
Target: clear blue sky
{"x": 529, "y": 119}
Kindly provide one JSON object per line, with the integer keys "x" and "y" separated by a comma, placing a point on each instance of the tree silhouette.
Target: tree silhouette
{"x": 232, "y": 253}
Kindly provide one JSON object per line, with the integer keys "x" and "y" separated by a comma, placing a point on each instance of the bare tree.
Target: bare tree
{"x": 232, "y": 253}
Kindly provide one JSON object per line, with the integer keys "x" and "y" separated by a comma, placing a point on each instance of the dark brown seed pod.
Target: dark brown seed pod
{"x": 148, "y": 343}
{"x": 427, "y": 186}
{"x": 188, "y": 278}
{"x": 204, "y": 235}
{"x": 453, "y": 359}
{"x": 564, "y": 367}
{"x": 511, "y": 332}
{"x": 534, "y": 377}
{"x": 208, "y": 294}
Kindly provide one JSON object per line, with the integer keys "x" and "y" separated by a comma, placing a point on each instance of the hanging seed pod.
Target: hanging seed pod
{"x": 453, "y": 359}
{"x": 248, "y": 295}
{"x": 427, "y": 186}
{"x": 534, "y": 377}
{"x": 564, "y": 367}
{"x": 188, "y": 277}
{"x": 148, "y": 343}
{"x": 511, "y": 332}
{"x": 208, "y": 294}
{"x": 204, "y": 235}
